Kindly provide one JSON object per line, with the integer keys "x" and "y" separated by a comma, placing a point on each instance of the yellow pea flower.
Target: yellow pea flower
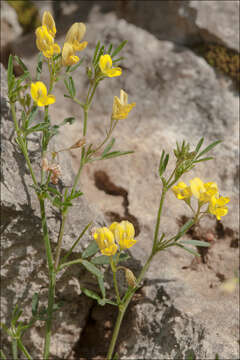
{"x": 105, "y": 240}
{"x": 105, "y": 64}
{"x": 123, "y": 233}
{"x": 182, "y": 191}
{"x": 68, "y": 55}
{"x": 203, "y": 192}
{"x": 48, "y": 21}
{"x": 39, "y": 94}
{"x": 121, "y": 108}
{"x": 75, "y": 35}
{"x": 217, "y": 206}
{"x": 45, "y": 42}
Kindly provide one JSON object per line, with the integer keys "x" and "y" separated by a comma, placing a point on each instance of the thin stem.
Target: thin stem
{"x": 115, "y": 281}
{"x": 14, "y": 349}
{"x": 112, "y": 127}
{"x": 23, "y": 349}
{"x": 123, "y": 307}
{"x": 76, "y": 242}
{"x": 164, "y": 190}
{"x": 52, "y": 280}
{"x": 77, "y": 261}
{"x": 59, "y": 244}
{"x": 51, "y": 295}
{"x": 118, "y": 323}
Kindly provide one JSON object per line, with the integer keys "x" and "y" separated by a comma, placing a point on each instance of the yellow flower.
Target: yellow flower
{"x": 68, "y": 55}
{"x": 105, "y": 240}
{"x": 218, "y": 206}
{"x": 39, "y": 94}
{"x": 45, "y": 42}
{"x": 75, "y": 35}
{"x": 105, "y": 64}
{"x": 121, "y": 108}
{"x": 124, "y": 234}
{"x": 182, "y": 191}
{"x": 203, "y": 192}
{"x": 48, "y": 21}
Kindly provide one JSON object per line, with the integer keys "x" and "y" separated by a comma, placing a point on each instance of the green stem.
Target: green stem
{"x": 121, "y": 312}
{"x": 164, "y": 190}
{"x": 52, "y": 280}
{"x": 114, "y": 270}
{"x": 23, "y": 349}
{"x": 14, "y": 349}
{"x": 123, "y": 307}
{"x": 59, "y": 244}
{"x": 51, "y": 295}
{"x": 77, "y": 261}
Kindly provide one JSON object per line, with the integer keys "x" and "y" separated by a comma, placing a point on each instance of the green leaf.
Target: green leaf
{"x": 53, "y": 191}
{"x": 204, "y": 159}
{"x": 122, "y": 257}
{"x": 76, "y": 242}
{"x": 116, "y": 356}
{"x": 39, "y": 127}
{"x": 108, "y": 147}
{"x": 35, "y": 302}
{"x": 184, "y": 229}
{"x": 39, "y": 66}
{"x": 10, "y": 76}
{"x": 107, "y": 301}
{"x": 90, "y": 293}
{"x": 91, "y": 268}
{"x": 69, "y": 120}
{"x": 101, "y": 260}
{"x": 21, "y": 63}
{"x": 114, "y": 154}
{"x": 119, "y": 59}
{"x": 208, "y": 148}
{"x": 119, "y": 48}
{"x": 195, "y": 243}
{"x": 104, "y": 259}
{"x": 32, "y": 114}
{"x": 188, "y": 250}
{"x": 72, "y": 89}
{"x": 91, "y": 250}
{"x": 95, "y": 52}
{"x": 101, "y": 52}
{"x": 109, "y": 49}
{"x": 101, "y": 286}
{"x": 199, "y": 145}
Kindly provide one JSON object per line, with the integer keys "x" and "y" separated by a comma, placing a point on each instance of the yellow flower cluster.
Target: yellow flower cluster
{"x": 105, "y": 64}
{"x": 72, "y": 44}
{"x": 39, "y": 94}
{"x": 204, "y": 193}
{"x": 45, "y": 36}
{"x": 118, "y": 235}
{"x": 45, "y": 40}
{"x": 121, "y": 108}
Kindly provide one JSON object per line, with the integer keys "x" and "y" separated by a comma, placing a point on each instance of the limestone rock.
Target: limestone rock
{"x": 178, "y": 96}
{"x": 186, "y": 22}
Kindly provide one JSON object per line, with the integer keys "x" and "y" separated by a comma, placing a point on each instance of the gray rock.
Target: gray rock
{"x": 186, "y": 22}
{"x": 178, "y": 97}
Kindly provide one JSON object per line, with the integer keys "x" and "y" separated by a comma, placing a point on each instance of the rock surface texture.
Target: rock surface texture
{"x": 180, "y": 311}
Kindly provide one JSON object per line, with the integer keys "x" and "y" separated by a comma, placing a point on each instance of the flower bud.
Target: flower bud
{"x": 130, "y": 278}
